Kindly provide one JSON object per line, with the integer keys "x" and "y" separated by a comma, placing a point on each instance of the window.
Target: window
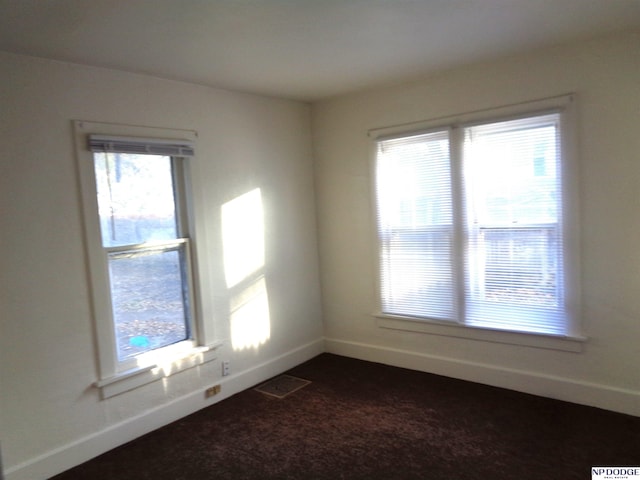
{"x": 140, "y": 251}
{"x": 473, "y": 223}
{"x": 146, "y": 249}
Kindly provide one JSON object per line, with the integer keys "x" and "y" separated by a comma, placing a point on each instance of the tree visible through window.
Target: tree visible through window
{"x": 140, "y": 230}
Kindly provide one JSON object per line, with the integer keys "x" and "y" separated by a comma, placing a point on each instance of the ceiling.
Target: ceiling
{"x": 300, "y": 49}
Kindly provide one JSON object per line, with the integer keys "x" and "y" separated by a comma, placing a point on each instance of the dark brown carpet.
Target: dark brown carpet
{"x": 361, "y": 420}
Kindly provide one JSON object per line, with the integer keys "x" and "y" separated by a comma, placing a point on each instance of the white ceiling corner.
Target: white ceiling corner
{"x": 301, "y": 49}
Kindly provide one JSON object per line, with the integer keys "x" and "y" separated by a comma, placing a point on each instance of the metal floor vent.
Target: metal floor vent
{"x": 282, "y": 386}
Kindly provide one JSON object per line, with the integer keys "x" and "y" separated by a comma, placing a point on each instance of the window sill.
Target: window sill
{"x": 163, "y": 367}
{"x": 535, "y": 340}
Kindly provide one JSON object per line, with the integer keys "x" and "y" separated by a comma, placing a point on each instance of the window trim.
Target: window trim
{"x": 567, "y": 343}
{"x": 564, "y": 104}
{"x": 115, "y": 377}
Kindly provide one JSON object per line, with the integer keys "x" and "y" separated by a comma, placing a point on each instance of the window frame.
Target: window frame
{"x": 115, "y": 376}
{"x": 565, "y": 105}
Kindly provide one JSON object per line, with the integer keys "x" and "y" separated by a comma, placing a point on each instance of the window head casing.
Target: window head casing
{"x": 139, "y": 242}
{"x": 476, "y": 220}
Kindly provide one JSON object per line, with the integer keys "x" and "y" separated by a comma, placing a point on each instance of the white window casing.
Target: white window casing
{"x": 117, "y": 372}
{"x": 477, "y": 225}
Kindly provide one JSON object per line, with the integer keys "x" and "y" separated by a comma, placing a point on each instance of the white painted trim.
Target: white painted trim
{"x": 553, "y": 342}
{"x": 98, "y": 272}
{"x": 551, "y": 386}
{"x": 569, "y": 313}
{"x": 530, "y": 107}
{"x": 83, "y": 449}
{"x": 162, "y": 363}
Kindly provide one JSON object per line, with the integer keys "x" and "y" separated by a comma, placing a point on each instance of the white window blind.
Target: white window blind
{"x": 514, "y": 276}
{"x": 415, "y": 226}
{"x": 150, "y": 146}
{"x": 470, "y": 225}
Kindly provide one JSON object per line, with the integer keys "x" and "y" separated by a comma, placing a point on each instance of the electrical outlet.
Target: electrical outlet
{"x": 226, "y": 368}
{"x": 211, "y": 391}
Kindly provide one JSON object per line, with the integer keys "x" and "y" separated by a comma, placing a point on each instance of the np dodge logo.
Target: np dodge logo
{"x": 615, "y": 473}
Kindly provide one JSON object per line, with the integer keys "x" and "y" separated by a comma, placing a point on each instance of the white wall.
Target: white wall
{"x": 51, "y": 416}
{"x": 605, "y": 75}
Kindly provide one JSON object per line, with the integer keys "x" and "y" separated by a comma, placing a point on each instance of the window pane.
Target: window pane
{"x": 415, "y": 226}
{"x": 514, "y": 262}
{"x": 135, "y": 198}
{"x": 513, "y": 172}
{"x": 150, "y": 306}
{"x": 414, "y": 184}
{"x": 417, "y": 277}
{"x": 516, "y": 266}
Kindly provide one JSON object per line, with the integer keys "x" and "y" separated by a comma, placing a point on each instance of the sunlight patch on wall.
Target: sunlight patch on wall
{"x": 171, "y": 359}
{"x": 243, "y": 236}
{"x": 244, "y": 260}
{"x": 250, "y": 320}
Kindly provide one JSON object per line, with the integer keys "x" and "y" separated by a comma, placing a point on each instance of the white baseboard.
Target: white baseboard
{"x": 585, "y": 393}
{"x": 83, "y": 449}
